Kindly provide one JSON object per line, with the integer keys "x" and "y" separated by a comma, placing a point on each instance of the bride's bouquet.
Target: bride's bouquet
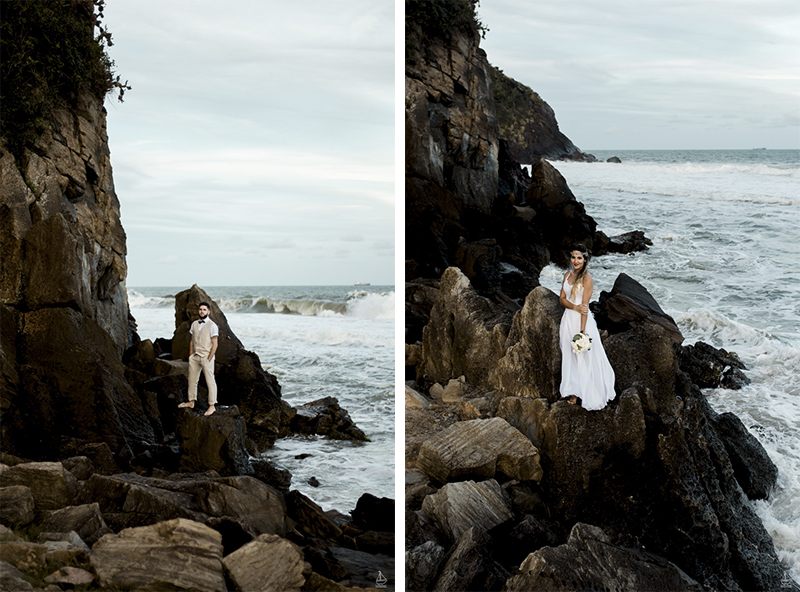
{"x": 581, "y": 342}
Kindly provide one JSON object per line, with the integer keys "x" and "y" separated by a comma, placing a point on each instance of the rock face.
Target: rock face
{"x": 589, "y": 561}
{"x": 477, "y": 449}
{"x": 156, "y": 557}
{"x": 457, "y": 507}
{"x": 527, "y": 122}
{"x": 50, "y": 485}
{"x": 267, "y": 563}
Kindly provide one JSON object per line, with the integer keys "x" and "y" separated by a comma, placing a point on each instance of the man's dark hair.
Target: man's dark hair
{"x": 204, "y": 304}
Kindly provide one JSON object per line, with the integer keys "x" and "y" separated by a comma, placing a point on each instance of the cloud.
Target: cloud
{"x": 353, "y": 238}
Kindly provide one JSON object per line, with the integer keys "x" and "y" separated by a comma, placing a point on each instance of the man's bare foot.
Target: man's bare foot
{"x": 190, "y": 405}
{"x": 210, "y": 410}
{"x": 572, "y": 399}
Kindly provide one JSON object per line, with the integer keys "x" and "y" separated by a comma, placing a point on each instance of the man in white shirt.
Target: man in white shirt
{"x": 202, "y": 347}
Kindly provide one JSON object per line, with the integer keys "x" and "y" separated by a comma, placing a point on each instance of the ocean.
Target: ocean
{"x": 319, "y": 341}
{"x": 725, "y": 264}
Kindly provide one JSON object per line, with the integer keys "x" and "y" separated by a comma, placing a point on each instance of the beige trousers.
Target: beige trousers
{"x": 199, "y": 362}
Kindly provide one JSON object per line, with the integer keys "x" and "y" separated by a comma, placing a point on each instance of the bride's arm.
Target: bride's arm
{"x": 588, "y": 288}
{"x": 562, "y": 299}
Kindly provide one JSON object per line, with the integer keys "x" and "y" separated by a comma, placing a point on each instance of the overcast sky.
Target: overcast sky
{"x": 257, "y": 144}
{"x": 650, "y": 74}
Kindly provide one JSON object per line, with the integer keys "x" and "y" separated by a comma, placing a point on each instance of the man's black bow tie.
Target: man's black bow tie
{"x": 201, "y": 322}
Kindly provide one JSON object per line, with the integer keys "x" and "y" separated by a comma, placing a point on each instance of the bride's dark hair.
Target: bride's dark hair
{"x": 580, "y": 247}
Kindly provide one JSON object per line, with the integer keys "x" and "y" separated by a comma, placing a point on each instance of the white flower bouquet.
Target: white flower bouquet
{"x": 581, "y": 342}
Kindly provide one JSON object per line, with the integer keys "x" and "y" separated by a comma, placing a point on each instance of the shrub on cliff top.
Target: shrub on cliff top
{"x": 429, "y": 19}
{"x": 50, "y": 53}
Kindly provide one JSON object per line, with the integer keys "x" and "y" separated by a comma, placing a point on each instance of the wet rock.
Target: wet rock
{"x": 422, "y": 565}
{"x": 531, "y": 366}
{"x": 420, "y": 298}
{"x": 361, "y": 569}
{"x": 235, "y": 533}
{"x": 421, "y": 529}
{"x": 155, "y": 557}
{"x": 457, "y": 507}
{"x": 50, "y": 484}
{"x": 752, "y": 467}
{"x": 628, "y": 242}
{"x": 310, "y": 517}
{"x": 324, "y": 417}
{"x": 271, "y": 474}
{"x": 216, "y": 442}
{"x": 27, "y": 557}
{"x": 480, "y": 262}
{"x": 376, "y": 542}
{"x": 614, "y": 159}
{"x": 709, "y": 367}
{"x": 588, "y": 561}
{"x": 267, "y": 563}
{"x": 16, "y": 505}
{"x": 629, "y": 304}
{"x": 80, "y": 466}
{"x": 85, "y": 520}
{"x": 70, "y": 576}
{"x": 465, "y": 335}
{"x": 478, "y": 449}
{"x": 531, "y": 533}
{"x": 417, "y": 487}
{"x": 374, "y": 513}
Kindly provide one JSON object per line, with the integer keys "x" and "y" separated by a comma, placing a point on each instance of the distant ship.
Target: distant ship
{"x": 361, "y": 284}
{"x": 759, "y": 148}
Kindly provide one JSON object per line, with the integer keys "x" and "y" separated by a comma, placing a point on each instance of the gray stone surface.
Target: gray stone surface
{"x": 457, "y": 507}
{"x": 267, "y": 563}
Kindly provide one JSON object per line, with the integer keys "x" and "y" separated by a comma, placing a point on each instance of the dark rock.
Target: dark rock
{"x": 629, "y": 303}
{"x": 235, "y": 533}
{"x": 513, "y": 545}
{"x": 465, "y": 335}
{"x": 374, "y": 513}
{"x": 588, "y": 561}
{"x": 420, "y": 529}
{"x": 470, "y": 565}
{"x": 709, "y": 367}
{"x": 480, "y": 262}
{"x": 457, "y": 507}
{"x": 531, "y": 365}
{"x": 80, "y": 466}
{"x": 72, "y": 385}
{"x": 562, "y": 218}
{"x": 272, "y": 475}
{"x": 324, "y": 563}
{"x": 16, "y": 505}
{"x": 310, "y": 518}
{"x": 615, "y": 159}
{"x": 86, "y": 520}
{"x": 417, "y": 487}
{"x": 269, "y": 562}
{"x": 131, "y": 500}
{"x": 313, "y": 482}
{"x": 13, "y": 579}
{"x": 361, "y": 568}
{"x": 422, "y": 565}
{"x": 628, "y": 242}
{"x": 376, "y": 542}
{"x": 215, "y": 442}
{"x": 324, "y": 417}
{"x": 752, "y": 467}
{"x": 420, "y": 298}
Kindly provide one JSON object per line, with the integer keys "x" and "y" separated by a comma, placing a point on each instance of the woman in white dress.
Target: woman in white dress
{"x": 587, "y": 375}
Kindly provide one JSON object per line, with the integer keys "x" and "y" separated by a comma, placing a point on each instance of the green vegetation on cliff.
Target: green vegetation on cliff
{"x": 432, "y": 19}
{"x": 50, "y": 54}
{"x": 513, "y": 101}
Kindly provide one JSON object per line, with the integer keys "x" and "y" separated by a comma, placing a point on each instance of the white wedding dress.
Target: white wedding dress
{"x": 589, "y": 374}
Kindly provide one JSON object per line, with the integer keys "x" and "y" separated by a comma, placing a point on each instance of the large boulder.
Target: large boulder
{"x": 86, "y": 521}
{"x": 267, "y": 563}
{"x": 531, "y": 366}
{"x": 709, "y": 367}
{"x": 72, "y": 385}
{"x": 457, "y": 507}
{"x": 216, "y": 442}
{"x": 562, "y": 218}
{"x": 466, "y": 334}
{"x": 470, "y": 565}
{"x": 51, "y": 486}
{"x": 477, "y": 449}
{"x": 422, "y": 565}
{"x": 589, "y": 561}
{"x": 156, "y": 557}
{"x": 324, "y": 417}
{"x": 132, "y": 500}
{"x": 16, "y": 505}
{"x": 752, "y": 467}
{"x": 629, "y": 304}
